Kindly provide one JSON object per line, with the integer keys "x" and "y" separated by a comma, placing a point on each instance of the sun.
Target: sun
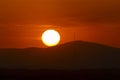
{"x": 51, "y": 38}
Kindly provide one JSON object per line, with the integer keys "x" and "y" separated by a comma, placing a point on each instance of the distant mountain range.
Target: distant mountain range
{"x": 73, "y": 55}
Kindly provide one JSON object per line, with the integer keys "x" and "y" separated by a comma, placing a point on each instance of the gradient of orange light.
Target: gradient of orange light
{"x": 30, "y": 36}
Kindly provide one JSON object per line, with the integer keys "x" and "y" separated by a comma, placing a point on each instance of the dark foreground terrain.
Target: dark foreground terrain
{"x": 97, "y": 74}
{"x": 75, "y": 60}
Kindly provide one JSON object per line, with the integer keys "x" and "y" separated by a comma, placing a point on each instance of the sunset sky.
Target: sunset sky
{"x": 22, "y": 22}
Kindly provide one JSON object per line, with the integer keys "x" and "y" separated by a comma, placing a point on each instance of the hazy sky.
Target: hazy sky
{"x": 91, "y": 20}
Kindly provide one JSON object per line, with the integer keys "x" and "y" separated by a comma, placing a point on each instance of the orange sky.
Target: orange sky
{"x": 91, "y": 20}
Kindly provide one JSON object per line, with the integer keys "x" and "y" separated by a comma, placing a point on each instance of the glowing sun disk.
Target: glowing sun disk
{"x": 50, "y": 38}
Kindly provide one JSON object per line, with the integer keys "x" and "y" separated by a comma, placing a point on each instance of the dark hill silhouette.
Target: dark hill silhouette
{"x": 73, "y": 55}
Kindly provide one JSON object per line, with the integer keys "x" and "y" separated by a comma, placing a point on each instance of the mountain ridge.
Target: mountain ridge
{"x": 72, "y": 55}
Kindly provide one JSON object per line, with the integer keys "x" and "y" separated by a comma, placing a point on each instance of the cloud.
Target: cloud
{"x": 60, "y": 12}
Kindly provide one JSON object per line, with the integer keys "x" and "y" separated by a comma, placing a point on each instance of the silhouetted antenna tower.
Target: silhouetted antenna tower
{"x": 74, "y": 36}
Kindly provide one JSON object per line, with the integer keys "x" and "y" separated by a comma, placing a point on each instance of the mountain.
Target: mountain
{"x": 73, "y": 55}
